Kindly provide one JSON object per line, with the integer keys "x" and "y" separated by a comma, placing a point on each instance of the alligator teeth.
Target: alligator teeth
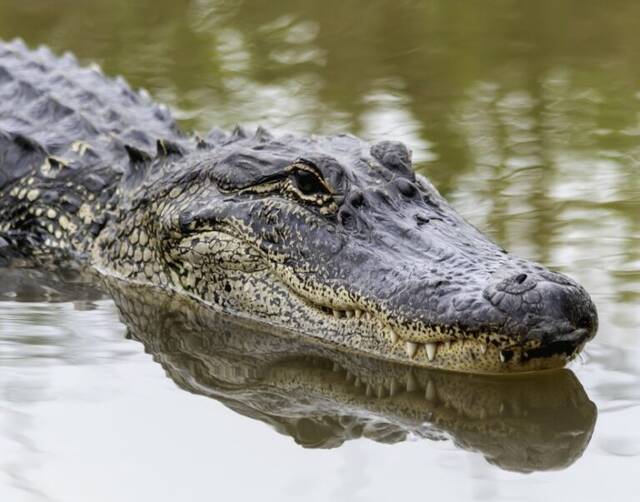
{"x": 411, "y": 348}
{"x": 432, "y": 348}
{"x": 394, "y": 337}
{"x": 349, "y": 313}
{"x": 358, "y": 313}
{"x": 411, "y": 382}
{"x": 483, "y": 348}
{"x": 430, "y": 391}
{"x": 502, "y": 357}
{"x": 447, "y": 344}
{"x": 393, "y": 388}
{"x": 338, "y": 314}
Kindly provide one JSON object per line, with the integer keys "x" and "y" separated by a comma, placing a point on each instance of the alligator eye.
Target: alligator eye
{"x": 308, "y": 183}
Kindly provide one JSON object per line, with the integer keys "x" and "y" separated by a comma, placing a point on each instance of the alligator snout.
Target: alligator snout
{"x": 546, "y": 309}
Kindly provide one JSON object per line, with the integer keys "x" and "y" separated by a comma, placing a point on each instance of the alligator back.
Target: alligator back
{"x": 68, "y": 134}
{"x": 51, "y": 106}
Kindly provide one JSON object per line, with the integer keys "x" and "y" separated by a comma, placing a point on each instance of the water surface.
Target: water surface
{"x": 526, "y": 115}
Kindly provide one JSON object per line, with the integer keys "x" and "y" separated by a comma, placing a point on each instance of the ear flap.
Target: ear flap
{"x": 247, "y": 168}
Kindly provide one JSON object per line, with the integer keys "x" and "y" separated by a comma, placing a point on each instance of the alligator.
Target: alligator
{"x": 330, "y": 237}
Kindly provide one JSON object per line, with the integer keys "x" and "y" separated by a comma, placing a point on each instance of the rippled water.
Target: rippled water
{"x": 525, "y": 114}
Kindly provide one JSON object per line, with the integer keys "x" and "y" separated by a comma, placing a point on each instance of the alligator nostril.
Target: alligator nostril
{"x": 520, "y": 278}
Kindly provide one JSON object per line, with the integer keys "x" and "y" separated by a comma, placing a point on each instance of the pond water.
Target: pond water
{"x": 526, "y": 115}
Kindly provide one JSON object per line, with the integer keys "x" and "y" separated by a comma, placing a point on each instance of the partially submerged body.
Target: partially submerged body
{"x": 329, "y": 237}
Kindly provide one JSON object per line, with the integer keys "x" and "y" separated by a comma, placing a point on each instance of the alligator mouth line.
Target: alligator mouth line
{"x": 443, "y": 347}
{"x": 447, "y": 346}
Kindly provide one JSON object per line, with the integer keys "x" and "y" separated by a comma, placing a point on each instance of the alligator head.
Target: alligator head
{"x": 345, "y": 243}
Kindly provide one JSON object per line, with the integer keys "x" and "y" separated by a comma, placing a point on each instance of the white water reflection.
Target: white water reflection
{"x": 107, "y": 424}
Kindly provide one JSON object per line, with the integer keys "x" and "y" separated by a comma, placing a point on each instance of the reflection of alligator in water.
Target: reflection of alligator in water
{"x": 323, "y": 398}
{"x": 326, "y": 236}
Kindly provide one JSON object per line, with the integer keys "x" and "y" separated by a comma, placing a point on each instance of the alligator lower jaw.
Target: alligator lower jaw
{"x": 471, "y": 356}
{"x": 450, "y": 350}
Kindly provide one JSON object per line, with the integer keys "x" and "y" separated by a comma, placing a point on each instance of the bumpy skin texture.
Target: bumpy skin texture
{"x": 327, "y": 236}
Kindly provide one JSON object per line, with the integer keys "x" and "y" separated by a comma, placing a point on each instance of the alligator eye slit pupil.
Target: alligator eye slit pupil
{"x": 308, "y": 183}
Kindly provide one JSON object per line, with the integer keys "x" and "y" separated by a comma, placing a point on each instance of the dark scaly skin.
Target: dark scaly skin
{"x": 326, "y": 236}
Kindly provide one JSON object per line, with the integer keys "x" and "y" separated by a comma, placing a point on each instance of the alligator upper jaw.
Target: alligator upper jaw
{"x": 507, "y": 347}
{"x": 503, "y": 335}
